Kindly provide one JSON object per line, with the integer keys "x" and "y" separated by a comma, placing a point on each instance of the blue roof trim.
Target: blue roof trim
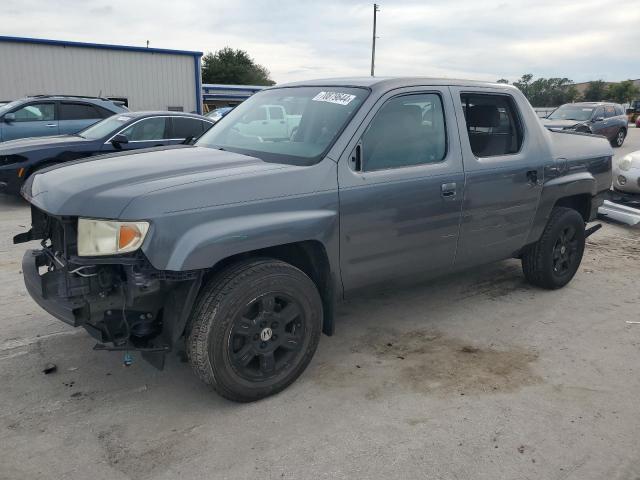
{"x": 219, "y": 86}
{"x": 214, "y": 96}
{"x": 198, "y": 73}
{"x": 104, "y": 46}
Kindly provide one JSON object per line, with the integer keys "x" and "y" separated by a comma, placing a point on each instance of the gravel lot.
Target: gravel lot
{"x": 475, "y": 376}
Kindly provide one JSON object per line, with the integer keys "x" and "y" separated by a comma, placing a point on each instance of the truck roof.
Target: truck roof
{"x": 387, "y": 83}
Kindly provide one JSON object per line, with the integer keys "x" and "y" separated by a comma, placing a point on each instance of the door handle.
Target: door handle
{"x": 51, "y": 125}
{"x": 448, "y": 191}
{"x": 532, "y": 177}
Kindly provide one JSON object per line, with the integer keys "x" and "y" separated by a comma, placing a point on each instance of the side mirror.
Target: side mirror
{"x": 10, "y": 117}
{"x": 598, "y": 119}
{"x": 119, "y": 140}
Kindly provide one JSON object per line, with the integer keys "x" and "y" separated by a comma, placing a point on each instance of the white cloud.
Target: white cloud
{"x": 579, "y": 39}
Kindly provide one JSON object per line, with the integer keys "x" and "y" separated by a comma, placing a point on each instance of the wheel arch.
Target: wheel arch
{"x": 311, "y": 257}
{"x": 574, "y": 191}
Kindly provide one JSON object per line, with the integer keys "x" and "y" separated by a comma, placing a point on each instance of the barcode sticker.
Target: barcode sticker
{"x": 334, "y": 97}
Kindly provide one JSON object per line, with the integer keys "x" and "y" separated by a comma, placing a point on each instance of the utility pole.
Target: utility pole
{"x": 376, "y": 9}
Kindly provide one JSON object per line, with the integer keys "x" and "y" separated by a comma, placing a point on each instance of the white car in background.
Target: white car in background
{"x": 626, "y": 173}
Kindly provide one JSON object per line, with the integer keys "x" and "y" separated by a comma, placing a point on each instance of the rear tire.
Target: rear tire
{"x": 618, "y": 140}
{"x": 254, "y": 329}
{"x": 554, "y": 259}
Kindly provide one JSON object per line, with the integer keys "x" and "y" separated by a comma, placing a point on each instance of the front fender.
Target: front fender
{"x": 205, "y": 245}
{"x": 200, "y": 240}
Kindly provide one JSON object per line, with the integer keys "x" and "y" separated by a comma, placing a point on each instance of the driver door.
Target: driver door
{"x": 36, "y": 119}
{"x": 401, "y": 185}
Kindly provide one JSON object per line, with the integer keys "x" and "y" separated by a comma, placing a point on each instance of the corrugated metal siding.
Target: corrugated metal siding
{"x": 150, "y": 81}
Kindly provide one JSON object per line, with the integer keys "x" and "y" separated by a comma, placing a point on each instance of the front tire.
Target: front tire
{"x": 554, "y": 259}
{"x": 254, "y": 329}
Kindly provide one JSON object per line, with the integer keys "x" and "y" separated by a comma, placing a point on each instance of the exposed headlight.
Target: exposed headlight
{"x": 626, "y": 163}
{"x": 106, "y": 237}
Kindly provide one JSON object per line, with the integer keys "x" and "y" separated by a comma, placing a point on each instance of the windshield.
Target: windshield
{"x": 294, "y": 125}
{"x": 104, "y": 128}
{"x": 8, "y": 106}
{"x": 572, "y": 112}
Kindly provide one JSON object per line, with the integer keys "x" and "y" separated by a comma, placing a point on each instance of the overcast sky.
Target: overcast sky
{"x": 299, "y": 39}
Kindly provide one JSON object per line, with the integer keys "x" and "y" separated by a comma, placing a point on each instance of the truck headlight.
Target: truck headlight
{"x": 626, "y": 163}
{"x": 106, "y": 237}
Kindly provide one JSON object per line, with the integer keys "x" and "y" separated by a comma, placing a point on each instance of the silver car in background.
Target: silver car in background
{"x": 626, "y": 173}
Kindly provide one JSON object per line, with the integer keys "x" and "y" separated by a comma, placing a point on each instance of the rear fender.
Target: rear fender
{"x": 554, "y": 190}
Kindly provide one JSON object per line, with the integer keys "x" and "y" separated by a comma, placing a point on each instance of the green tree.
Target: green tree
{"x": 547, "y": 92}
{"x": 524, "y": 85}
{"x": 503, "y": 80}
{"x": 572, "y": 94}
{"x": 596, "y": 91}
{"x": 233, "y": 67}
{"x": 623, "y": 92}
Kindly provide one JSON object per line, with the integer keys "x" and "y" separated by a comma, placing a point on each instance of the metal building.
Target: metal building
{"x": 217, "y": 95}
{"x": 145, "y": 78}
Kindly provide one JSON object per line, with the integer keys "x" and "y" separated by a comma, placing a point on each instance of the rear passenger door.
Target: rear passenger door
{"x": 401, "y": 184}
{"x": 503, "y": 173}
{"x": 76, "y": 116}
{"x": 611, "y": 126}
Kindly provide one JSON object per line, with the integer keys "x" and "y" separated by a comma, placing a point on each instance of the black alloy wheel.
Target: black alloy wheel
{"x": 565, "y": 251}
{"x": 266, "y": 336}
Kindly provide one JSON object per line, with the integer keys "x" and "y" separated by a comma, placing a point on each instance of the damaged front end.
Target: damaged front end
{"x": 121, "y": 300}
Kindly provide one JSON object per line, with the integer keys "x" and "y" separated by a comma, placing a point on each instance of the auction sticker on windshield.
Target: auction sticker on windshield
{"x": 334, "y": 97}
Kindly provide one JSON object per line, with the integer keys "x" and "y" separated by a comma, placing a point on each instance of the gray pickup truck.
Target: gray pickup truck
{"x": 237, "y": 249}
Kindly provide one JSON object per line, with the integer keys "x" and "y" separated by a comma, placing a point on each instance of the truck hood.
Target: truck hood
{"x": 14, "y": 147}
{"x": 102, "y": 187}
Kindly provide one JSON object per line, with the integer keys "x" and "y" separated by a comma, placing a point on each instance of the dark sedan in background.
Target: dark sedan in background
{"x": 599, "y": 118}
{"x": 121, "y": 132}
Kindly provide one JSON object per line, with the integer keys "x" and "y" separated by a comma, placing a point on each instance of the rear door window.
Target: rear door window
{"x": 78, "y": 111}
{"x": 609, "y": 111}
{"x": 493, "y": 124}
{"x": 184, "y": 127}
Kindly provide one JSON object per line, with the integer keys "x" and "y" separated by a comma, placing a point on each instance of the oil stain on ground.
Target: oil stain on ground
{"x": 383, "y": 362}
